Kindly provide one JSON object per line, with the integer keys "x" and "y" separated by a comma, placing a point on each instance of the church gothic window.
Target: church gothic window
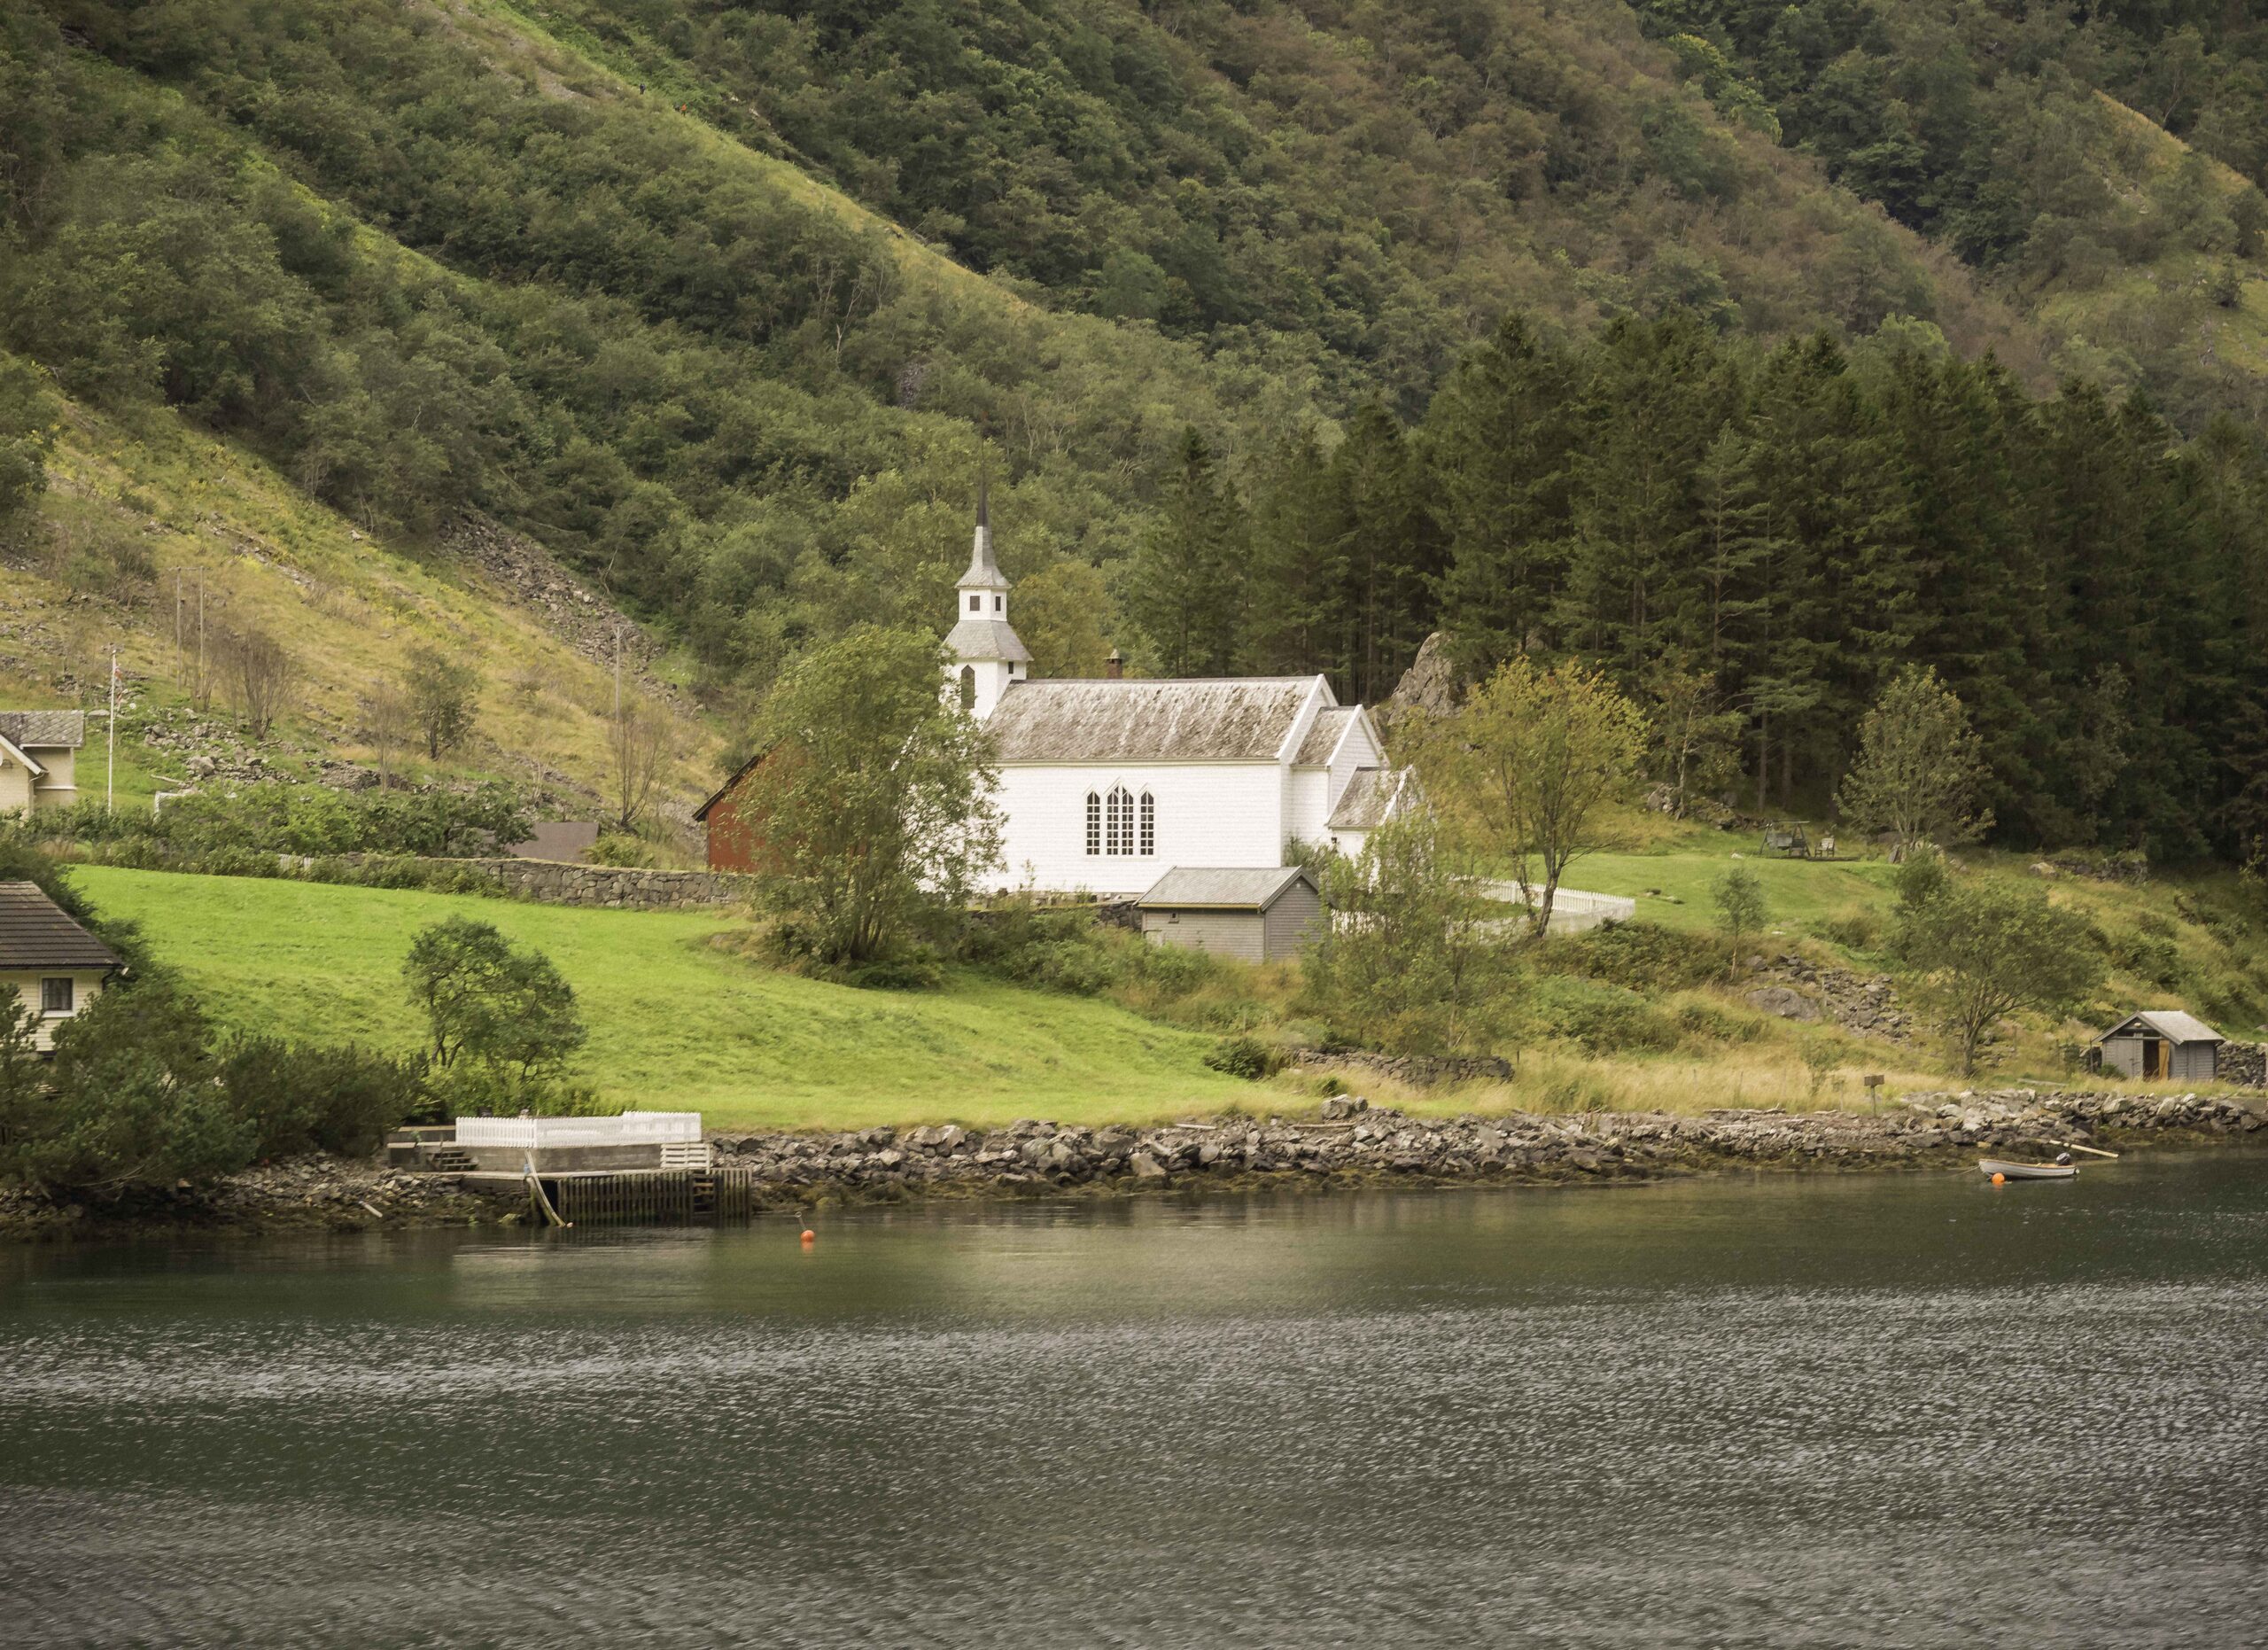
{"x": 1117, "y": 825}
{"x": 968, "y": 686}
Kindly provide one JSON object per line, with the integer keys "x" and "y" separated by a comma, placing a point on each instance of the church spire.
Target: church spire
{"x": 985, "y": 655}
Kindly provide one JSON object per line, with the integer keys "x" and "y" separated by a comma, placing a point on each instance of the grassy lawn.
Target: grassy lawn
{"x": 676, "y": 1020}
{"x": 1672, "y": 883}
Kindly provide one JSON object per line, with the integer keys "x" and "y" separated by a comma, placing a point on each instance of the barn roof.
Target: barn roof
{"x": 1187, "y": 887}
{"x": 35, "y": 933}
{"x": 1368, "y": 801}
{"x": 53, "y": 729}
{"x": 2171, "y": 1023}
{"x": 1246, "y": 720}
{"x": 1323, "y": 734}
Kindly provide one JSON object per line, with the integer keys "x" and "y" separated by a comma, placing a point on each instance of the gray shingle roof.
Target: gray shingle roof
{"x": 2172, "y": 1023}
{"x": 1227, "y": 888}
{"x": 50, "y": 728}
{"x": 1367, "y": 800}
{"x": 35, "y": 934}
{"x": 987, "y": 639}
{"x": 1087, "y": 720}
{"x": 1323, "y": 734}
{"x": 982, "y": 570}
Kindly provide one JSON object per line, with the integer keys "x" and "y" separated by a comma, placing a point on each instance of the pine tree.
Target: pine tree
{"x": 1495, "y": 442}
{"x": 1187, "y": 588}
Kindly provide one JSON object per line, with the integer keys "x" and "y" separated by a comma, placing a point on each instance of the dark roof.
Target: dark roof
{"x": 35, "y": 933}
{"x": 2171, "y": 1023}
{"x": 1228, "y": 888}
{"x": 49, "y": 728}
{"x": 1087, "y": 720}
{"x": 726, "y": 789}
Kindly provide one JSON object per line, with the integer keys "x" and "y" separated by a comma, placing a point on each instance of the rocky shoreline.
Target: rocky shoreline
{"x": 1349, "y": 1145}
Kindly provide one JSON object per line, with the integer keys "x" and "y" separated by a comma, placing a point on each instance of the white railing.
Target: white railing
{"x": 1573, "y": 910}
{"x": 632, "y": 1128}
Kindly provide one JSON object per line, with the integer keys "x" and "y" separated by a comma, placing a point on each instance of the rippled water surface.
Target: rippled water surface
{"x": 1849, "y": 1412}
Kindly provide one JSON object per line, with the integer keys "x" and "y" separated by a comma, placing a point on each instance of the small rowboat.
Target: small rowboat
{"x": 2027, "y": 1171}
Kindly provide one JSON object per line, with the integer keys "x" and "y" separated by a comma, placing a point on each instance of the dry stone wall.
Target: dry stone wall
{"x": 614, "y": 888}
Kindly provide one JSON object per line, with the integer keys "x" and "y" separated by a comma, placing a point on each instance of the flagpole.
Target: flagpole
{"x": 109, "y": 759}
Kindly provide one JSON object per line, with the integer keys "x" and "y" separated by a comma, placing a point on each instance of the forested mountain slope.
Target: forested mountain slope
{"x": 2101, "y": 164}
{"x": 430, "y": 259}
{"x": 717, "y": 303}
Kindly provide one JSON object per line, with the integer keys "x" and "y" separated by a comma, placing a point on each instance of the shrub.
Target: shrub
{"x": 622, "y": 848}
{"x": 1244, "y": 1056}
{"x": 303, "y": 1099}
{"x": 1602, "y": 1019}
{"x": 1638, "y": 956}
{"x": 127, "y": 1102}
{"x": 1856, "y": 929}
{"x": 1699, "y": 1022}
{"x": 488, "y": 1003}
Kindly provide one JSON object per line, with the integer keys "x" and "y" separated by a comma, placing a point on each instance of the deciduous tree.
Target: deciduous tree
{"x": 876, "y": 801}
{"x": 1919, "y": 769}
{"x": 1986, "y": 950}
{"x": 1531, "y": 763}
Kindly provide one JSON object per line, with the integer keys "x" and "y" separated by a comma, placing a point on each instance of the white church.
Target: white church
{"x": 1106, "y": 785}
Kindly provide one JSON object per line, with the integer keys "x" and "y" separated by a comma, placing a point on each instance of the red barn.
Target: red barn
{"x": 734, "y": 820}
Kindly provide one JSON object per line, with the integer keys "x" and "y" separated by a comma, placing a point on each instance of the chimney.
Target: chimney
{"x": 1114, "y": 667}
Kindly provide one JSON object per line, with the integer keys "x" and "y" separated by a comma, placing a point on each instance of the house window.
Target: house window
{"x": 975, "y": 603}
{"x": 1094, "y": 823}
{"x": 1119, "y": 834}
{"x": 1149, "y": 825}
{"x": 55, "y": 996}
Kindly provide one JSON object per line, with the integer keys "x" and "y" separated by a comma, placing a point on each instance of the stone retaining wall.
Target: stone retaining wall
{"x": 613, "y": 887}
{"x": 2246, "y": 1064}
{"x": 1354, "y": 1144}
{"x": 1423, "y": 1070}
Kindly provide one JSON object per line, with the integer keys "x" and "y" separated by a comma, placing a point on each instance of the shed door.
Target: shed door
{"x": 2154, "y": 1057}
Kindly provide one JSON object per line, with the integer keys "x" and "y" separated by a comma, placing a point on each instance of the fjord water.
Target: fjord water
{"x": 1903, "y": 1410}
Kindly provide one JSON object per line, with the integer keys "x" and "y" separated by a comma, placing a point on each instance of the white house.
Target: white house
{"x": 53, "y": 967}
{"x": 39, "y": 751}
{"x": 1106, "y": 785}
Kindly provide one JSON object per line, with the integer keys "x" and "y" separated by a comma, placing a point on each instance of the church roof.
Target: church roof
{"x": 1323, "y": 734}
{"x": 987, "y": 639}
{"x": 982, "y": 570}
{"x": 1085, "y": 721}
{"x": 1368, "y": 801}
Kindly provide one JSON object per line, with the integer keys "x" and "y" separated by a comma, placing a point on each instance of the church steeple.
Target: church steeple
{"x": 985, "y": 655}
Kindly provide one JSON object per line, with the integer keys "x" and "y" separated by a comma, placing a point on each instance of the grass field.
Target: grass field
{"x": 675, "y": 1019}
{"x": 1674, "y": 888}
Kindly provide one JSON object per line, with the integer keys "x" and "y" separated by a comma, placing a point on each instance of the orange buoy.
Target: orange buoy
{"x": 810, "y": 1237}
{"x": 1997, "y": 1179}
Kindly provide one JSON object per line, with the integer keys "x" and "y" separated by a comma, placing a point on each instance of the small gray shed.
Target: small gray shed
{"x": 2163, "y": 1043}
{"x": 1259, "y": 914}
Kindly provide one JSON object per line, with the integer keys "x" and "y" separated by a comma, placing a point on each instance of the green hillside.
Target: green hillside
{"x": 679, "y": 1018}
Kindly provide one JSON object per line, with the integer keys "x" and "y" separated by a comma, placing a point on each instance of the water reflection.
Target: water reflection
{"x": 1793, "y": 1411}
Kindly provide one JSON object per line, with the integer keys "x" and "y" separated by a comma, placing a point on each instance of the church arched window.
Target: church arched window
{"x": 1094, "y": 823}
{"x": 1149, "y": 845}
{"x": 968, "y": 686}
{"x": 1119, "y": 822}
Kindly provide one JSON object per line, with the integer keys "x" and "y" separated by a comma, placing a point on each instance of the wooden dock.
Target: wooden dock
{"x": 647, "y": 1197}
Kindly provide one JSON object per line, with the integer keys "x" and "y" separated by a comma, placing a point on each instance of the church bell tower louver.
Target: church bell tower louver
{"x": 985, "y": 656}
